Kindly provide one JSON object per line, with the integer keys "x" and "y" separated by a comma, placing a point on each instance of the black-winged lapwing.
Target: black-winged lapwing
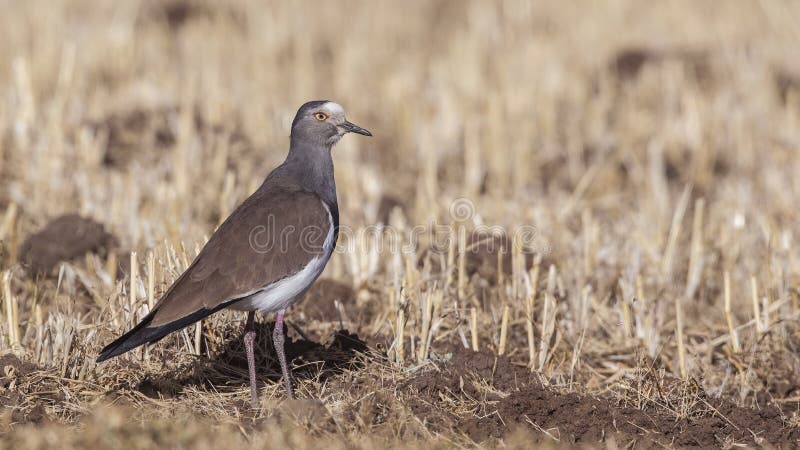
{"x": 269, "y": 251}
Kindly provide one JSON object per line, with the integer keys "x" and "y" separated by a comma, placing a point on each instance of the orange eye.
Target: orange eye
{"x": 320, "y": 116}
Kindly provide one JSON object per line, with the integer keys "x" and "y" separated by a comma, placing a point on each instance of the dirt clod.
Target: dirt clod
{"x": 515, "y": 399}
{"x": 62, "y": 239}
{"x": 787, "y": 83}
{"x": 12, "y": 367}
{"x": 135, "y": 134}
{"x": 386, "y": 206}
{"x": 22, "y": 409}
{"x": 627, "y": 63}
{"x": 462, "y": 366}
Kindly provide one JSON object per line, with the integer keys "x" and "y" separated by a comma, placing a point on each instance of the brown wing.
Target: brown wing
{"x": 272, "y": 235}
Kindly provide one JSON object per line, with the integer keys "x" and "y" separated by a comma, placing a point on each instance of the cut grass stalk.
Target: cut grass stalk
{"x": 674, "y": 233}
{"x": 462, "y": 263}
{"x": 14, "y": 316}
{"x": 679, "y": 336}
{"x": 111, "y": 268}
{"x": 501, "y": 349}
{"x": 531, "y": 344}
{"x": 400, "y": 339}
{"x": 626, "y": 313}
{"x": 500, "y": 274}
{"x": 9, "y": 221}
{"x": 451, "y": 257}
{"x": 640, "y": 298}
{"x": 551, "y": 280}
{"x": 530, "y": 309}
{"x": 132, "y": 292}
{"x": 548, "y": 326}
{"x": 517, "y": 266}
{"x": 427, "y": 311}
{"x": 435, "y": 322}
{"x": 11, "y": 319}
{"x": 695, "y": 270}
{"x": 548, "y": 317}
{"x": 756, "y": 305}
{"x": 198, "y": 336}
{"x": 774, "y": 307}
{"x": 151, "y": 280}
{"x": 473, "y": 326}
{"x": 38, "y": 322}
{"x": 729, "y": 315}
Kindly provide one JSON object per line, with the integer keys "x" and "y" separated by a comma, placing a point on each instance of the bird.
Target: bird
{"x": 268, "y": 252}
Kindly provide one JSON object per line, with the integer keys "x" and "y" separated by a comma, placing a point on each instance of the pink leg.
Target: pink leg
{"x": 249, "y": 338}
{"x": 277, "y": 339}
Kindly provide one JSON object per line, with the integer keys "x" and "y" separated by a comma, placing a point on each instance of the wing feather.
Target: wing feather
{"x": 272, "y": 235}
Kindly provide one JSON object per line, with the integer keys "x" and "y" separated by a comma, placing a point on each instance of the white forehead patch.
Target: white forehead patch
{"x": 333, "y": 109}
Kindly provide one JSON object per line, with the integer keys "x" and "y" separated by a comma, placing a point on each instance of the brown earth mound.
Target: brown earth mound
{"x": 64, "y": 238}
{"x": 17, "y": 407}
{"x": 484, "y": 248}
{"x": 627, "y": 63}
{"x": 132, "y": 133}
{"x": 571, "y": 418}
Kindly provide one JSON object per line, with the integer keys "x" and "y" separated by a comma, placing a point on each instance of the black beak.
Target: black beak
{"x": 353, "y": 128}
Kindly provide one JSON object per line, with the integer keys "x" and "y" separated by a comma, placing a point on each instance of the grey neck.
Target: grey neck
{"x": 312, "y": 166}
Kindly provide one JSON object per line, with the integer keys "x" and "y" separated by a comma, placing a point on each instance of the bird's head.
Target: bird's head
{"x": 323, "y": 122}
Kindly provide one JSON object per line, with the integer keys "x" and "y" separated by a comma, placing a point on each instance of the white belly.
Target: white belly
{"x": 283, "y": 293}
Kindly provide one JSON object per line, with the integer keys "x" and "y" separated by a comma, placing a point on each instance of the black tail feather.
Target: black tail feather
{"x": 128, "y": 341}
{"x": 142, "y": 334}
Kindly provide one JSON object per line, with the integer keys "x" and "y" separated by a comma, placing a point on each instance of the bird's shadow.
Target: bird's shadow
{"x": 228, "y": 366}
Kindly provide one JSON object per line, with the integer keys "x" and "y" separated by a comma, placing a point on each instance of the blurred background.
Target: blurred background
{"x": 651, "y": 145}
{"x": 151, "y": 115}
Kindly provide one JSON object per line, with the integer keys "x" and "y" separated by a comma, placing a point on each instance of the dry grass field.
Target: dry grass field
{"x": 576, "y": 223}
